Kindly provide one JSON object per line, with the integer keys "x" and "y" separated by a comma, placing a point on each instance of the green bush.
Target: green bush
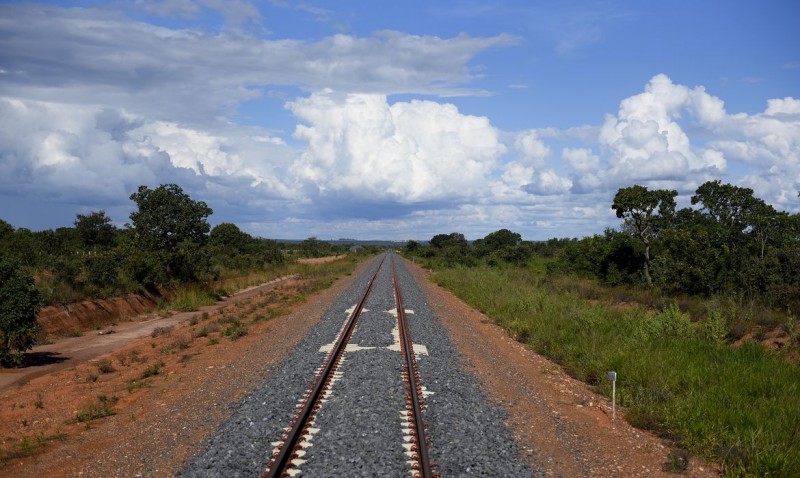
{"x": 670, "y": 323}
{"x": 19, "y": 305}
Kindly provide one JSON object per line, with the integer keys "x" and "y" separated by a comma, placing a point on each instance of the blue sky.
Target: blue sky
{"x": 394, "y": 120}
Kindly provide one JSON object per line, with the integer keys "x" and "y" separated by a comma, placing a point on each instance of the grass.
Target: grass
{"x": 193, "y": 296}
{"x": 136, "y": 384}
{"x": 188, "y": 298}
{"x": 99, "y": 409}
{"x": 735, "y": 406}
{"x": 153, "y": 369}
{"x": 105, "y": 366}
{"x": 158, "y": 331}
{"x": 235, "y": 329}
{"x": 29, "y": 446}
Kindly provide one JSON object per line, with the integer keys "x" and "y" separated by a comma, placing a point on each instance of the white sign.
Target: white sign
{"x": 613, "y": 377}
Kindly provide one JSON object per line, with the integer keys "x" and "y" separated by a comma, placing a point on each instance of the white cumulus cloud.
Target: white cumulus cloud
{"x": 361, "y": 146}
{"x": 646, "y": 142}
{"x": 92, "y": 155}
{"x": 532, "y": 149}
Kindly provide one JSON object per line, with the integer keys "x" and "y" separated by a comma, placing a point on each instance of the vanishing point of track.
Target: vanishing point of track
{"x": 289, "y": 451}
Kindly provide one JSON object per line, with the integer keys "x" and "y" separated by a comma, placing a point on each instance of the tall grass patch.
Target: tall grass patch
{"x": 735, "y": 406}
{"x": 190, "y": 297}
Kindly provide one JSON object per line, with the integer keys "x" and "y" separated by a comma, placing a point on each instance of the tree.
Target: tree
{"x": 644, "y": 214}
{"x": 727, "y": 204}
{"x": 496, "y": 241}
{"x": 171, "y": 226}
{"x": 20, "y": 303}
{"x": 765, "y": 223}
{"x": 412, "y": 246}
{"x": 232, "y": 248}
{"x": 502, "y": 246}
{"x": 6, "y": 229}
{"x": 313, "y": 247}
{"x": 229, "y": 239}
{"x": 453, "y": 248}
{"x": 95, "y": 229}
{"x": 454, "y": 239}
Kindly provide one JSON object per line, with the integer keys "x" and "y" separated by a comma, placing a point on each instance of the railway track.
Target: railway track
{"x": 374, "y": 389}
{"x": 288, "y": 455}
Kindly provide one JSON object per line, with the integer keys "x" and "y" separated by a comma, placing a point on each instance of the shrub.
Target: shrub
{"x": 235, "y": 330}
{"x": 671, "y": 322}
{"x": 154, "y": 369}
{"x": 99, "y": 409}
{"x": 161, "y": 331}
{"x": 714, "y": 328}
{"x": 104, "y": 366}
{"x": 19, "y": 305}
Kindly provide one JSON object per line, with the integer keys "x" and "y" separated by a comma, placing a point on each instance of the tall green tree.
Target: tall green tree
{"x": 726, "y": 204}
{"x": 502, "y": 246}
{"x": 453, "y": 248}
{"x": 174, "y": 228}
{"x": 454, "y": 239}
{"x": 644, "y": 213}
{"x": 6, "y": 229}
{"x": 95, "y": 229}
{"x": 313, "y": 247}
{"x": 231, "y": 247}
{"x": 20, "y": 303}
{"x": 229, "y": 239}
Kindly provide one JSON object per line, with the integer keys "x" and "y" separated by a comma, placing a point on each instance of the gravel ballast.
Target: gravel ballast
{"x": 360, "y": 431}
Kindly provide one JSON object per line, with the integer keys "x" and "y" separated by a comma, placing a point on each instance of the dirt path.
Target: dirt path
{"x": 71, "y": 351}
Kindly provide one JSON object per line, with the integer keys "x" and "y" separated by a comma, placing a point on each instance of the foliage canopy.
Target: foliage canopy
{"x": 19, "y": 305}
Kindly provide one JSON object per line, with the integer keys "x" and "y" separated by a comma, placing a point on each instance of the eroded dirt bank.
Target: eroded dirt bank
{"x": 73, "y": 319}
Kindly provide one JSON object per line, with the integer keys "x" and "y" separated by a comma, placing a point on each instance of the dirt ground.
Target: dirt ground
{"x": 67, "y": 352}
{"x": 143, "y": 407}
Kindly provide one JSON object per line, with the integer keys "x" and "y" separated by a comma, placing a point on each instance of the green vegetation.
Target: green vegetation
{"x": 696, "y": 310}
{"x": 734, "y": 405}
{"x": 733, "y": 244}
{"x": 105, "y": 366}
{"x": 168, "y": 249}
{"x": 189, "y": 297}
{"x": 19, "y": 304}
{"x": 235, "y": 329}
{"x": 100, "y": 409}
{"x": 28, "y": 446}
{"x": 154, "y": 369}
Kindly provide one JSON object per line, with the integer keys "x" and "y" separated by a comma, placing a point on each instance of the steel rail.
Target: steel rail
{"x": 414, "y": 386}
{"x": 278, "y": 465}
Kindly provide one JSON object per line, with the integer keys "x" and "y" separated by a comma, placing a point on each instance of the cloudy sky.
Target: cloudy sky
{"x": 394, "y": 120}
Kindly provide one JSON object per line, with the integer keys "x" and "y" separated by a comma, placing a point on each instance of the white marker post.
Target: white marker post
{"x": 613, "y": 377}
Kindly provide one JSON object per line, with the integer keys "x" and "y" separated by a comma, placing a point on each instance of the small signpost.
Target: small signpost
{"x": 613, "y": 377}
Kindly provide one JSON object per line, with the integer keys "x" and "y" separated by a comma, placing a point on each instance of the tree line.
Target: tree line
{"x": 729, "y": 243}
{"x": 167, "y": 243}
